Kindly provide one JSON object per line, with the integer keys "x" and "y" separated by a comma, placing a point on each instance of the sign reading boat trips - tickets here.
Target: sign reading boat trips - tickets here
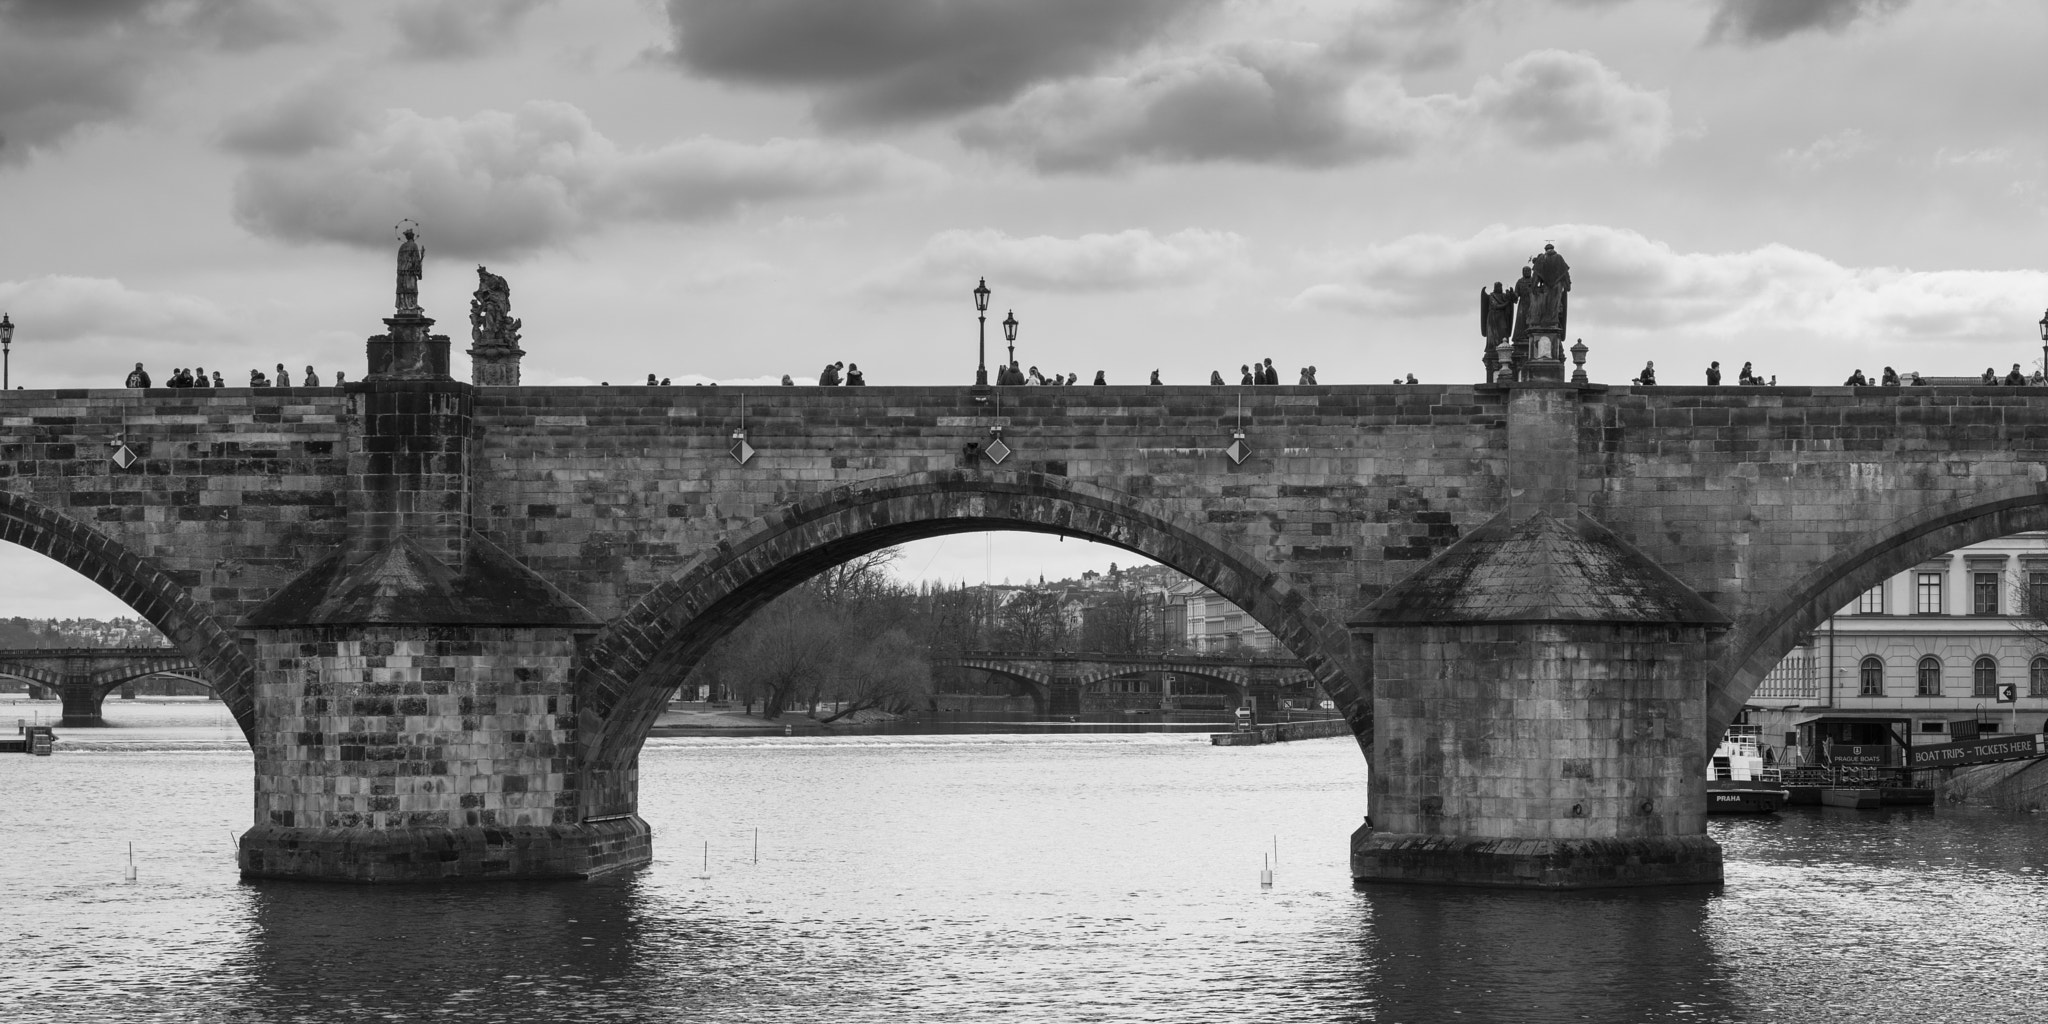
{"x": 1984, "y": 751}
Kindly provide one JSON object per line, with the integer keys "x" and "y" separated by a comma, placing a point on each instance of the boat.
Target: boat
{"x": 1737, "y": 780}
{"x": 1858, "y": 798}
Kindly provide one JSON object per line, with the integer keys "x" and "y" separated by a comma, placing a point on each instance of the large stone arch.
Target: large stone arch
{"x": 30, "y": 672}
{"x": 144, "y": 586}
{"x": 1239, "y": 685}
{"x": 1763, "y": 637}
{"x": 1040, "y": 690}
{"x": 631, "y": 666}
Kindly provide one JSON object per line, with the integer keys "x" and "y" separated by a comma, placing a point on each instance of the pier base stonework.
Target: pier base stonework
{"x": 1539, "y": 694}
{"x": 404, "y": 753}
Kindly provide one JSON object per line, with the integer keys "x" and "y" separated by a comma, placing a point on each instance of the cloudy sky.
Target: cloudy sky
{"x": 738, "y": 189}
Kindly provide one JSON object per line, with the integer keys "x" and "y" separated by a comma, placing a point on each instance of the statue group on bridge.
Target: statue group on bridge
{"x": 1530, "y": 316}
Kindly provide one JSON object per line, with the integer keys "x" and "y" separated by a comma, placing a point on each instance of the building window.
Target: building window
{"x": 1984, "y": 678}
{"x": 1930, "y": 676}
{"x": 1872, "y": 601}
{"x": 2037, "y": 678}
{"x": 1871, "y": 683}
{"x": 2037, "y": 594}
{"x": 1929, "y": 590}
{"x": 1984, "y": 594}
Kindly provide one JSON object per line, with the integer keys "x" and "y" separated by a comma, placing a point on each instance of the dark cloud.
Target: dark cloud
{"x": 502, "y": 183}
{"x": 1764, "y": 21}
{"x": 1271, "y": 104}
{"x": 69, "y": 64}
{"x": 457, "y": 29}
{"x": 315, "y": 115}
{"x": 886, "y": 61}
{"x": 1299, "y": 104}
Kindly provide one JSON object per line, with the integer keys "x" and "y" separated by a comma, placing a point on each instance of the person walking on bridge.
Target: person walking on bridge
{"x": 138, "y": 377}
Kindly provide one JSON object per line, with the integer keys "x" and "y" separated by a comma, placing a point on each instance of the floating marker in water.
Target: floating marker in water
{"x": 130, "y": 875}
{"x": 1265, "y": 873}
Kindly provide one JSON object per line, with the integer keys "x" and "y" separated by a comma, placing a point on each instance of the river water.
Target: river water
{"x": 980, "y": 878}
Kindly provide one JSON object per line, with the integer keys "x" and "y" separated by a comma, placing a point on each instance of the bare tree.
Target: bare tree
{"x": 1034, "y": 619}
{"x": 887, "y": 672}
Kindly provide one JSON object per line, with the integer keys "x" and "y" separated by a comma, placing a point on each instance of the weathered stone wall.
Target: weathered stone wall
{"x": 608, "y": 491}
{"x": 403, "y": 753}
{"x": 1553, "y": 731}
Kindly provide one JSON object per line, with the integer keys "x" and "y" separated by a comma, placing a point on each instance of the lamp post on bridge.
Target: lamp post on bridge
{"x": 2044, "y": 343}
{"x": 1010, "y": 335}
{"x": 981, "y": 350}
{"x": 6, "y": 352}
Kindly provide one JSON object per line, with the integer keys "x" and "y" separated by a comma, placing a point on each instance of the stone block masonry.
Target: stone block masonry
{"x": 411, "y": 753}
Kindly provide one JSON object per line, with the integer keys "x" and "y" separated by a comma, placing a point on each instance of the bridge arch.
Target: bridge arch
{"x": 1764, "y": 636}
{"x": 631, "y": 665}
{"x": 29, "y": 672}
{"x": 1039, "y": 689}
{"x": 142, "y": 585}
{"x": 1239, "y": 684}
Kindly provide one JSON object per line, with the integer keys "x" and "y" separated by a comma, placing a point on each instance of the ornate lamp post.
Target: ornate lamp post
{"x": 6, "y": 352}
{"x": 1010, "y": 334}
{"x": 981, "y": 357}
{"x": 2044, "y": 341}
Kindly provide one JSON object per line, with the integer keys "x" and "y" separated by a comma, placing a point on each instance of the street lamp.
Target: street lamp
{"x": 981, "y": 356}
{"x": 2044, "y": 342}
{"x": 1010, "y": 334}
{"x": 6, "y": 341}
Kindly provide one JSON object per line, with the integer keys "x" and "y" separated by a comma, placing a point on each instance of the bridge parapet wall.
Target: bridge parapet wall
{"x": 609, "y": 491}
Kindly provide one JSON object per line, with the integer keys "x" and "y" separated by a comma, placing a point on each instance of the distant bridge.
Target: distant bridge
{"x": 1057, "y": 683}
{"x": 83, "y": 676}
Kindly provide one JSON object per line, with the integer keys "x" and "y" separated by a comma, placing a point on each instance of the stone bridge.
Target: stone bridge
{"x": 83, "y": 676}
{"x": 1056, "y": 682}
{"x": 446, "y": 615}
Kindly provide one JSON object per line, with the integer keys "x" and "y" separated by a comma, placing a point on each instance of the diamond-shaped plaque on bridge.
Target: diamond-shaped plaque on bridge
{"x": 124, "y": 456}
{"x": 741, "y": 451}
{"x": 1237, "y": 451}
{"x": 997, "y": 450}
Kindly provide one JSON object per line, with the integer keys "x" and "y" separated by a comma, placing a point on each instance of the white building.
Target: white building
{"x": 1215, "y": 626}
{"x": 1926, "y": 652}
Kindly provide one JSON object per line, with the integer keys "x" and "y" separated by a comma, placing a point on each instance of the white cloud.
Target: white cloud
{"x": 55, "y": 308}
{"x": 457, "y": 29}
{"x": 1552, "y": 100}
{"x": 502, "y": 183}
{"x": 1307, "y": 104}
{"x": 1124, "y": 261}
{"x": 1834, "y": 147}
{"x": 1622, "y": 279}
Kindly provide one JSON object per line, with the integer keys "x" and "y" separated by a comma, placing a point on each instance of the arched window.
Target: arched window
{"x": 1871, "y": 681}
{"x": 2037, "y": 678}
{"x": 1984, "y": 677}
{"x": 1930, "y": 676}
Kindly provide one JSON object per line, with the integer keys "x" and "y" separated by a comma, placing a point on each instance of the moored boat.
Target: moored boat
{"x": 1738, "y": 782}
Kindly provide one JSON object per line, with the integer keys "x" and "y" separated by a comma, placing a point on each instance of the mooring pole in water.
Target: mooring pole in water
{"x": 1265, "y": 872}
{"x": 757, "y": 846}
{"x": 131, "y": 862}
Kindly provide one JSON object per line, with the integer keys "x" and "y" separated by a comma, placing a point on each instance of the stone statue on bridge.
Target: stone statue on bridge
{"x": 494, "y": 332}
{"x": 1496, "y": 323}
{"x": 412, "y": 265}
{"x": 1553, "y": 284}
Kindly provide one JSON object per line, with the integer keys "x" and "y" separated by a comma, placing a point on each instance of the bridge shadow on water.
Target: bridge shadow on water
{"x": 1439, "y": 954}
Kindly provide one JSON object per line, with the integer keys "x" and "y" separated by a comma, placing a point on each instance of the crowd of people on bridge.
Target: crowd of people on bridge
{"x": 1889, "y": 378}
{"x": 197, "y": 377}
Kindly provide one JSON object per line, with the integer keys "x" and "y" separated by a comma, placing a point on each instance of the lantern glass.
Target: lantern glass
{"x": 6, "y": 330}
{"x": 1010, "y": 326}
{"x": 2044, "y": 326}
{"x": 981, "y": 296}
